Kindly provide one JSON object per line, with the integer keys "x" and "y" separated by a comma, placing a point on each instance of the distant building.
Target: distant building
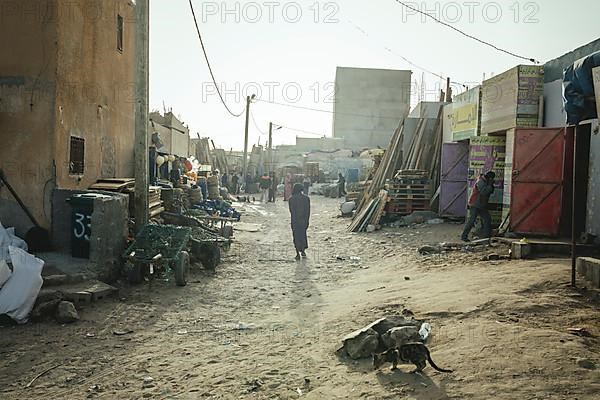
{"x": 66, "y": 103}
{"x": 322, "y": 143}
{"x": 174, "y": 135}
{"x": 369, "y": 104}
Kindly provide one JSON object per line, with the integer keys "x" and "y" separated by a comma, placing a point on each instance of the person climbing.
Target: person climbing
{"x": 478, "y": 205}
{"x": 299, "y": 205}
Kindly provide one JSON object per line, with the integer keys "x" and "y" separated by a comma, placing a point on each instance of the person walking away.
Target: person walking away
{"x": 265, "y": 183}
{"x": 341, "y": 185}
{"x": 248, "y": 182}
{"x": 235, "y": 184}
{"x": 272, "y": 188}
{"x": 287, "y": 190}
{"x": 306, "y": 183}
{"x": 299, "y": 205}
{"x": 224, "y": 180}
{"x": 478, "y": 205}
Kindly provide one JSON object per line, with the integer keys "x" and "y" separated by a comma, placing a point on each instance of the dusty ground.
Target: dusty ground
{"x": 267, "y": 327}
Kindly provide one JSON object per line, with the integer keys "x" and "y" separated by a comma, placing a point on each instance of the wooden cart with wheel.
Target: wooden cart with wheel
{"x": 156, "y": 249}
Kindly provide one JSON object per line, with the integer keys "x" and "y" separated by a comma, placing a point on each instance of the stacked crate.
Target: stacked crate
{"x": 408, "y": 192}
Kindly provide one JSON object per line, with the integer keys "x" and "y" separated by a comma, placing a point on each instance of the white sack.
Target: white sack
{"x": 4, "y": 273}
{"x": 19, "y": 293}
{"x": 8, "y": 238}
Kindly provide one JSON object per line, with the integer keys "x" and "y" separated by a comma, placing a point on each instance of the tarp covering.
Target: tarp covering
{"x": 578, "y": 82}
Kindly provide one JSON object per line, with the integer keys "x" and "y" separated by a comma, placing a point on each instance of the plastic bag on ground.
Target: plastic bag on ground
{"x": 19, "y": 293}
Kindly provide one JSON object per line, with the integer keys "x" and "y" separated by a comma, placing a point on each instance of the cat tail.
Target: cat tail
{"x": 433, "y": 365}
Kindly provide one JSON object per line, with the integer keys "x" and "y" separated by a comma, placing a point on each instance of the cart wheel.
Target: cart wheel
{"x": 182, "y": 265}
{"x": 211, "y": 255}
{"x": 227, "y": 231}
{"x": 134, "y": 273}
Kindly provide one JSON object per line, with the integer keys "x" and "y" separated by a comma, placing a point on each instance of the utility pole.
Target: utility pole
{"x": 270, "y": 147}
{"x": 245, "y": 159}
{"x": 141, "y": 114}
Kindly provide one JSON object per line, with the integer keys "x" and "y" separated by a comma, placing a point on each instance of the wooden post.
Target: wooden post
{"x": 270, "y": 147}
{"x": 573, "y": 227}
{"x": 245, "y": 160}
{"x": 141, "y": 115}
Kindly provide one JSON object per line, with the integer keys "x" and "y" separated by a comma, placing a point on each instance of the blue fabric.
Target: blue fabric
{"x": 579, "y": 92}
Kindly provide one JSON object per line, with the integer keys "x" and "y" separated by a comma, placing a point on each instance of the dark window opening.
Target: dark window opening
{"x": 120, "y": 28}
{"x": 77, "y": 154}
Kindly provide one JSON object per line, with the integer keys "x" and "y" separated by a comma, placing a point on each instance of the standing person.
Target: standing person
{"x": 248, "y": 182}
{"x": 478, "y": 205}
{"x": 306, "y": 183}
{"x": 224, "y": 180}
{"x": 299, "y": 205}
{"x": 341, "y": 185}
{"x": 287, "y": 190}
{"x": 235, "y": 184}
{"x": 272, "y": 188}
{"x": 265, "y": 183}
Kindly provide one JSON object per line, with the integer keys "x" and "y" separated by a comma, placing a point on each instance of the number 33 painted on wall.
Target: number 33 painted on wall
{"x": 83, "y": 226}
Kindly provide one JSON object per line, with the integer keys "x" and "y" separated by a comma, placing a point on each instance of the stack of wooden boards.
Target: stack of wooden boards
{"x": 371, "y": 214}
{"x": 155, "y": 204}
{"x": 367, "y": 211}
{"x": 409, "y": 191}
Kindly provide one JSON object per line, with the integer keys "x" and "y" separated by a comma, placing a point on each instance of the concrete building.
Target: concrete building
{"x": 66, "y": 103}
{"x": 369, "y": 103}
{"x": 174, "y": 135}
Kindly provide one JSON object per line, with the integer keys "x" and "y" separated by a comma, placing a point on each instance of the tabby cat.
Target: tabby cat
{"x": 416, "y": 353}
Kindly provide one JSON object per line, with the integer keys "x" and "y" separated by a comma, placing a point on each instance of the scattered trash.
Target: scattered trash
{"x": 148, "y": 382}
{"x": 373, "y": 290}
{"x": 435, "y": 221}
{"x": 407, "y": 278}
{"x": 122, "y": 332}
{"x": 579, "y": 332}
{"x": 356, "y": 259}
{"x": 299, "y": 391}
{"x": 182, "y": 332}
{"x": 254, "y": 385}
{"x": 90, "y": 335}
{"x": 44, "y": 372}
{"x": 428, "y": 250}
{"x": 425, "y": 331}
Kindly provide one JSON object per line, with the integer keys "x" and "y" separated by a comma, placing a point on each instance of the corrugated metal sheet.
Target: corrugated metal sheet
{"x": 455, "y": 168}
{"x": 593, "y": 200}
{"x": 537, "y": 183}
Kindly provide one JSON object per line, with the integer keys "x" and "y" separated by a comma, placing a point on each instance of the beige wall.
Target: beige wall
{"x": 96, "y": 96}
{"x": 27, "y": 80}
{"x": 81, "y": 86}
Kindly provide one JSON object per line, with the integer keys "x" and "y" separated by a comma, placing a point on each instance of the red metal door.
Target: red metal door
{"x": 537, "y": 182}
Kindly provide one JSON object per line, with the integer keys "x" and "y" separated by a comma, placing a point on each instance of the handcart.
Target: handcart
{"x": 156, "y": 249}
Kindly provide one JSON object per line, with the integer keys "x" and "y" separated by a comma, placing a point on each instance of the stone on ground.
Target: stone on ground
{"x": 66, "y": 313}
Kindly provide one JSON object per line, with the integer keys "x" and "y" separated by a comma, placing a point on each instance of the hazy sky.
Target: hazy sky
{"x": 287, "y": 51}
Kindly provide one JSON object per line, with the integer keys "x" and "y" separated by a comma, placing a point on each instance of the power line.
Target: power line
{"x": 303, "y": 131}
{"x": 209, "y": 67}
{"x": 328, "y": 111}
{"x": 533, "y": 60}
{"x": 256, "y": 125}
{"x": 361, "y": 30}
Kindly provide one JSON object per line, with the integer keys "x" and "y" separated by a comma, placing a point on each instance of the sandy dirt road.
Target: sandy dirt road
{"x": 267, "y": 327}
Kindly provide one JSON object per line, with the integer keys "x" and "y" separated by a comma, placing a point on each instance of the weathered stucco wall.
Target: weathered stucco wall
{"x": 369, "y": 103}
{"x": 27, "y": 87}
{"x": 97, "y": 94}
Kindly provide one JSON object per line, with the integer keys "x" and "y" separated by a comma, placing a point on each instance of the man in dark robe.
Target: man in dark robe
{"x": 300, "y": 210}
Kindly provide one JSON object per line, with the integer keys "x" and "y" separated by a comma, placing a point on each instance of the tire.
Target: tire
{"x": 182, "y": 266}
{"x": 211, "y": 255}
